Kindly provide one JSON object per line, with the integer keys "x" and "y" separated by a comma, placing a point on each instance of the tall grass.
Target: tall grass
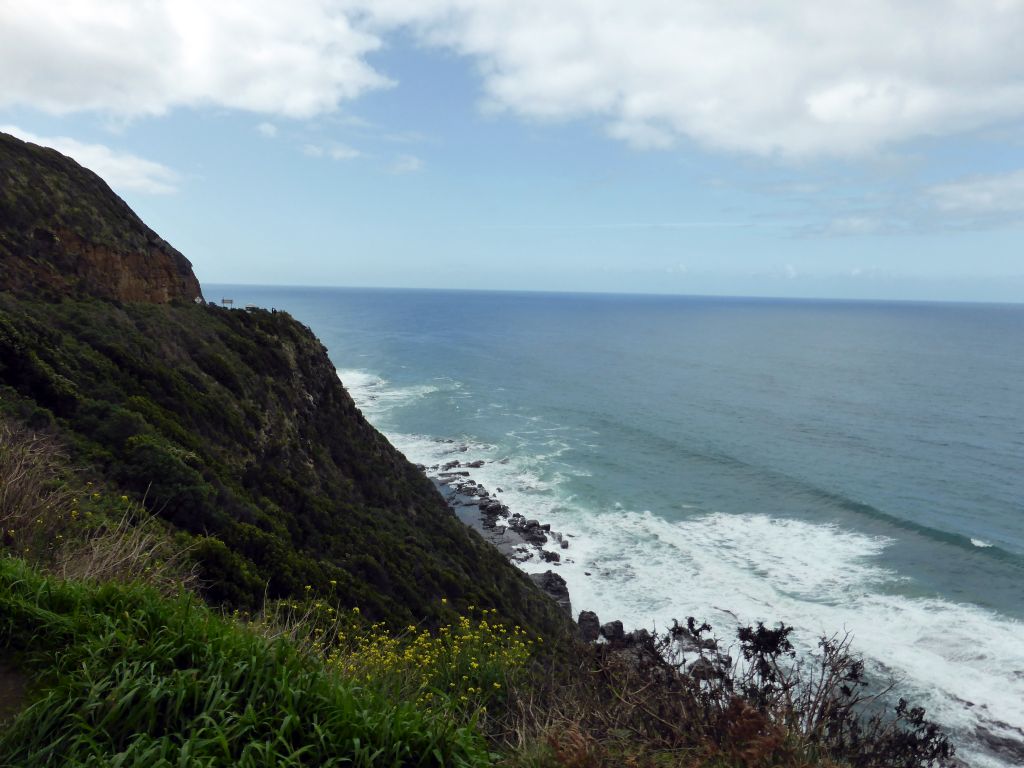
{"x": 128, "y": 678}
{"x": 70, "y": 527}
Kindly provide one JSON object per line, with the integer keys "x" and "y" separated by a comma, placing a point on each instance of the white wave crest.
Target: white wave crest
{"x": 376, "y": 396}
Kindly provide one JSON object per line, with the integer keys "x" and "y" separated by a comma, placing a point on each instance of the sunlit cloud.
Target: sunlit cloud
{"x": 123, "y": 171}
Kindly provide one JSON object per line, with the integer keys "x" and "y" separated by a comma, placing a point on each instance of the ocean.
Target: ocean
{"x": 840, "y": 466}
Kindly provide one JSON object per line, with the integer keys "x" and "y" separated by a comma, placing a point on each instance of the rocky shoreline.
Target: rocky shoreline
{"x": 521, "y": 539}
{"x": 518, "y": 538}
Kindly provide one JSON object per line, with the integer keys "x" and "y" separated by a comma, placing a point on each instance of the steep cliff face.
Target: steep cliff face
{"x": 63, "y": 232}
{"x": 232, "y": 425}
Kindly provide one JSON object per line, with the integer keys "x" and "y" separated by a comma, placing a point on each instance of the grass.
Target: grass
{"x": 129, "y": 678}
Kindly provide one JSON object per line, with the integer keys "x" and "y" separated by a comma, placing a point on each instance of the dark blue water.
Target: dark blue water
{"x": 837, "y": 465}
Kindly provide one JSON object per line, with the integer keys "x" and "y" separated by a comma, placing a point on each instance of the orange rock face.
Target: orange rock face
{"x": 64, "y": 232}
{"x": 64, "y": 262}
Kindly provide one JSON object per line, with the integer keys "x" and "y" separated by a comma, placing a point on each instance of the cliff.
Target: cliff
{"x": 63, "y": 232}
{"x": 232, "y": 425}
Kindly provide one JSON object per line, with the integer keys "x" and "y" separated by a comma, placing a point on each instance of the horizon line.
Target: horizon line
{"x": 638, "y": 294}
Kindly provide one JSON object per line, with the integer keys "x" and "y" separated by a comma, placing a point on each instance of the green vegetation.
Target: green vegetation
{"x": 125, "y": 676}
{"x": 133, "y": 679}
{"x": 233, "y": 427}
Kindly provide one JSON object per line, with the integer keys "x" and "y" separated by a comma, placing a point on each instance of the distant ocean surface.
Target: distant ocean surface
{"x": 835, "y": 465}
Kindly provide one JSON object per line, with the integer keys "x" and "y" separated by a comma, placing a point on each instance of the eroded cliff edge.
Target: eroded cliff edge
{"x": 63, "y": 232}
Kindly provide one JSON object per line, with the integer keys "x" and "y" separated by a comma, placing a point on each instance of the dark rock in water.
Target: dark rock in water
{"x": 463, "y": 448}
{"x": 586, "y": 573}
{"x": 550, "y": 557}
{"x": 498, "y": 490}
{"x": 535, "y": 537}
{"x": 703, "y": 669}
{"x": 565, "y": 543}
{"x": 638, "y": 636}
{"x": 554, "y": 587}
{"x": 612, "y": 631}
{"x": 590, "y": 626}
{"x": 529, "y": 529}
{"x": 449, "y": 465}
{"x": 546, "y": 527}
{"x": 475, "y": 464}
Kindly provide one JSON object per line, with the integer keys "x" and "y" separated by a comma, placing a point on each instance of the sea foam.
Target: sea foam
{"x": 964, "y": 663}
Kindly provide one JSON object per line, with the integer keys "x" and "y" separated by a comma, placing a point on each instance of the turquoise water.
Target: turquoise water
{"x": 841, "y": 466}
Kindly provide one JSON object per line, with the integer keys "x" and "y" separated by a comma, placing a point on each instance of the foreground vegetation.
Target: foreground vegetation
{"x": 131, "y": 668}
{"x": 127, "y": 677}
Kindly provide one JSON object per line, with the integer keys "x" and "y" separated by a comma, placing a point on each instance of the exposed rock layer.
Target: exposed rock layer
{"x": 63, "y": 232}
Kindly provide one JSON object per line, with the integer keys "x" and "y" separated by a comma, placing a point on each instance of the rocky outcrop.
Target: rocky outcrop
{"x": 613, "y": 632}
{"x": 589, "y": 626}
{"x": 554, "y": 586}
{"x": 64, "y": 233}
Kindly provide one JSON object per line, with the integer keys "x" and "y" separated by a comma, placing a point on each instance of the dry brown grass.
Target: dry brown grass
{"x": 32, "y": 499}
{"x": 42, "y": 518}
{"x": 133, "y": 548}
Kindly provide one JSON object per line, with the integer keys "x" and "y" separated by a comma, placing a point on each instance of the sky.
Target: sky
{"x": 849, "y": 150}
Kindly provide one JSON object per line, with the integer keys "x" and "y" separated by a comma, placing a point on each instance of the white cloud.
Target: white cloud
{"x": 267, "y": 129}
{"x": 778, "y": 79}
{"x": 335, "y": 151}
{"x": 406, "y": 164}
{"x": 298, "y": 58}
{"x": 121, "y": 170}
{"x": 791, "y": 79}
{"x": 996, "y": 195}
{"x": 853, "y": 226}
{"x": 343, "y": 152}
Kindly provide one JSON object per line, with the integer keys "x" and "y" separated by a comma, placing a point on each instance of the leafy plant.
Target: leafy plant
{"x": 133, "y": 679}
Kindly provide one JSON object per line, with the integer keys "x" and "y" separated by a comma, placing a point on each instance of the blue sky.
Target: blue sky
{"x": 680, "y": 147}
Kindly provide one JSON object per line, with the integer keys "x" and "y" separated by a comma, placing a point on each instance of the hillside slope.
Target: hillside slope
{"x": 63, "y": 232}
{"x": 232, "y": 425}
